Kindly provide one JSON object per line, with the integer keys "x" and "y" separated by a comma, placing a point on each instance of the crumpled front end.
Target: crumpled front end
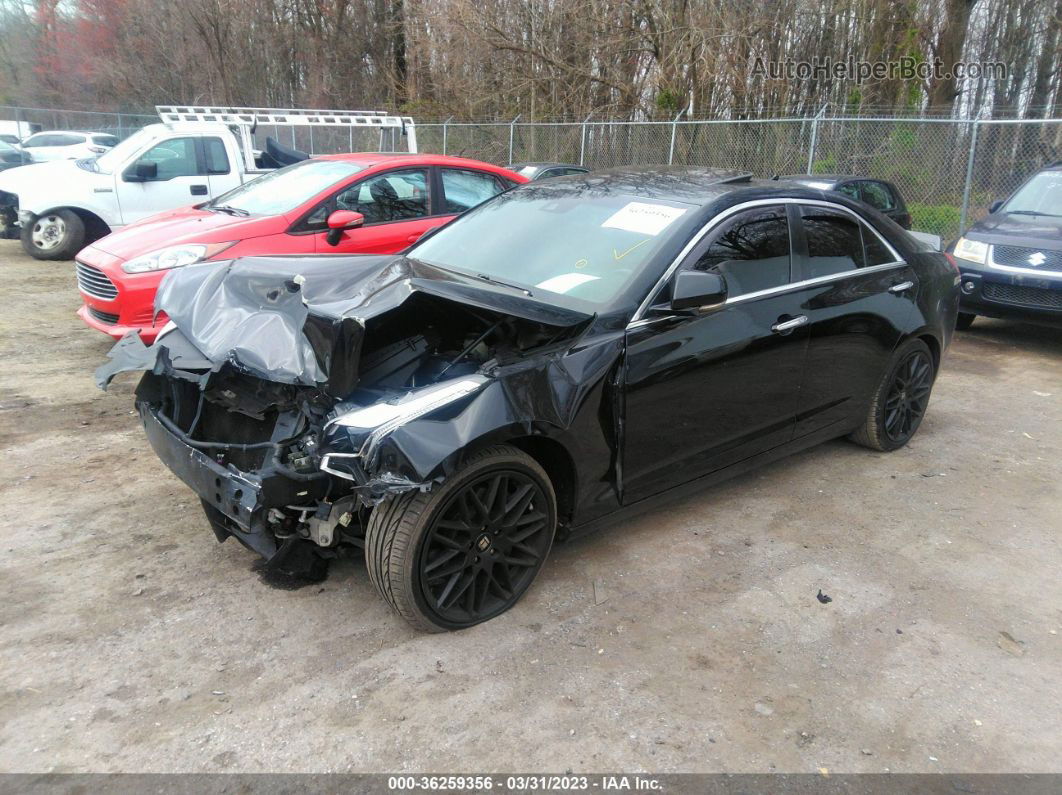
{"x": 292, "y": 420}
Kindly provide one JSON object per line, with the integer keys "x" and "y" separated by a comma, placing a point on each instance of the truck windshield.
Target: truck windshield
{"x": 122, "y": 151}
{"x": 1041, "y": 195}
{"x": 286, "y": 188}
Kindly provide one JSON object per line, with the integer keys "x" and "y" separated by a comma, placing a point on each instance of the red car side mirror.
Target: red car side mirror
{"x": 345, "y": 219}
{"x": 340, "y": 220}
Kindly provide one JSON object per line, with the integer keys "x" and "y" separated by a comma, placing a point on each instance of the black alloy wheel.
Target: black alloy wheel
{"x": 484, "y": 547}
{"x": 898, "y": 405}
{"x": 908, "y": 396}
{"x": 468, "y": 549}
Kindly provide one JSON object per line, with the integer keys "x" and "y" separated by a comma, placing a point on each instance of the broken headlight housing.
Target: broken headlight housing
{"x": 174, "y": 257}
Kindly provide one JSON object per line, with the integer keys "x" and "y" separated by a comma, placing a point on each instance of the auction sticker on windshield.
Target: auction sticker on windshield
{"x": 643, "y": 218}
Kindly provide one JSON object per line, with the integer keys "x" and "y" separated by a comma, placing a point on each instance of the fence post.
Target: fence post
{"x": 582, "y": 140}
{"x": 445, "y": 125}
{"x": 674, "y": 129}
{"x": 814, "y": 135}
{"x": 512, "y": 130}
{"x": 969, "y": 177}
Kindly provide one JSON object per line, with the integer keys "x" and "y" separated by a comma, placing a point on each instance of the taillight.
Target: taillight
{"x": 904, "y": 220}
{"x": 952, "y": 261}
{"x": 99, "y": 150}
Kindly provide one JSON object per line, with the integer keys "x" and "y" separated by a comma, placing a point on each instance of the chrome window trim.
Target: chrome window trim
{"x": 785, "y": 288}
{"x": 1050, "y": 274}
{"x": 639, "y": 314}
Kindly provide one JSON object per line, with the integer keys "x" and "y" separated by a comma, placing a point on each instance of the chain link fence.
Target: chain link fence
{"x": 949, "y": 171}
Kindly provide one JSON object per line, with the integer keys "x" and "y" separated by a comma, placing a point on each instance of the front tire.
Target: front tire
{"x": 466, "y": 551}
{"x": 964, "y": 320}
{"x": 55, "y": 235}
{"x": 900, "y": 402}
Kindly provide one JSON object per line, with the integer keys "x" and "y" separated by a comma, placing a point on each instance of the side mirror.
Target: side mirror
{"x": 698, "y": 290}
{"x": 340, "y": 220}
{"x": 142, "y": 171}
{"x": 994, "y": 206}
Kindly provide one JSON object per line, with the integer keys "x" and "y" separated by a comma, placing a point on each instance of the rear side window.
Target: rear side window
{"x": 751, "y": 251}
{"x": 67, "y": 139}
{"x": 878, "y": 196}
{"x": 463, "y": 190}
{"x": 877, "y": 253}
{"x": 217, "y": 159}
{"x": 834, "y": 242}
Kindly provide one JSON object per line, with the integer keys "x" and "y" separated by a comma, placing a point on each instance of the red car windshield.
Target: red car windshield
{"x": 286, "y": 188}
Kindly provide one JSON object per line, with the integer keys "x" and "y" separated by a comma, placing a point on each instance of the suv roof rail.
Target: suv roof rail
{"x": 287, "y": 116}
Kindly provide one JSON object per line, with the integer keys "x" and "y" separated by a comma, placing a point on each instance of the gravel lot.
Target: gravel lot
{"x": 131, "y": 641}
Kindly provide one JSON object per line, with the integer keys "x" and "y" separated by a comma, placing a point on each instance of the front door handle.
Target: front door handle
{"x": 902, "y": 287}
{"x": 198, "y": 190}
{"x": 785, "y": 326}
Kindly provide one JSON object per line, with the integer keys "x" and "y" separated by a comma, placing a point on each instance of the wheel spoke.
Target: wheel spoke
{"x": 519, "y": 502}
{"x": 450, "y": 599}
{"x": 443, "y": 558}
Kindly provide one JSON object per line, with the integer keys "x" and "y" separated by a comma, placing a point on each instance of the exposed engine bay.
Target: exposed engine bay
{"x": 278, "y": 463}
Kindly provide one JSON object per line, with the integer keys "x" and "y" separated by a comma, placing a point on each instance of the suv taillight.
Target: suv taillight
{"x": 99, "y": 150}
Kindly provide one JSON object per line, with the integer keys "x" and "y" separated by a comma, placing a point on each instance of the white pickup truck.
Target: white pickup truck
{"x": 195, "y": 154}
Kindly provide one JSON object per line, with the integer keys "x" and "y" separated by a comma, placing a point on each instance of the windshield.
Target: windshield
{"x": 285, "y": 189}
{"x": 548, "y": 240}
{"x": 113, "y": 158}
{"x": 1041, "y": 195}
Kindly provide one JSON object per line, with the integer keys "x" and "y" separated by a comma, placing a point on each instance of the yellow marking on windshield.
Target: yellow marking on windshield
{"x": 619, "y": 256}
{"x": 582, "y": 263}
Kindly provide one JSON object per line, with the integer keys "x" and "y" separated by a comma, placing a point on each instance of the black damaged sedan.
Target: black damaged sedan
{"x": 561, "y": 355}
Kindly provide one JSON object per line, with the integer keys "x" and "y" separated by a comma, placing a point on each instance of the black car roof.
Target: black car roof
{"x": 688, "y": 184}
{"x": 831, "y": 179}
{"x": 545, "y": 164}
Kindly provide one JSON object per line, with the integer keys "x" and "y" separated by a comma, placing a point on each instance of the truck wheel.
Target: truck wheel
{"x": 465, "y": 551}
{"x": 900, "y": 402}
{"x": 56, "y": 235}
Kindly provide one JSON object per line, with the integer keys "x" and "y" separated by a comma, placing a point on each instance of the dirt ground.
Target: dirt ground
{"x": 689, "y": 639}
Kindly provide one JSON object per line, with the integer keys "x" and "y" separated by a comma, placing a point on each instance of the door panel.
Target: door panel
{"x": 704, "y": 391}
{"x": 855, "y": 320}
{"x": 179, "y": 173}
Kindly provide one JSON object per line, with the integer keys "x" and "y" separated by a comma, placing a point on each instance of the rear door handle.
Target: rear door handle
{"x": 902, "y": 287}
{"x": 785, "y": 326}
{"x": 198, "y": 190}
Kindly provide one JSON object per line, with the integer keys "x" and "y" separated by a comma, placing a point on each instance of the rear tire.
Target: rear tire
{"x": 901, "y": 399}
{"x": 964, "y": 320}
{"x": 467, "y": 550}
{"x": 55, "y": 235}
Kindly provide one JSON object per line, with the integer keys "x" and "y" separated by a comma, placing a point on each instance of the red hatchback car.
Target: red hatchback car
{"x": 335, "y": 204}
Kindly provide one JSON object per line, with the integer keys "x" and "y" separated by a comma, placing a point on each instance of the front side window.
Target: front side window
{"x": 463, "y": 189}
{"x": 751, "y": 251}
{"x": 394, "y": 196}
{"x": 66, "y": 139}
{"x": 174, "y": 158}
{"x": 878, "y": 196}
{"x": 834, "y": 242}
{"x": 851, "y": 190}
{"x": 39, "y": 140}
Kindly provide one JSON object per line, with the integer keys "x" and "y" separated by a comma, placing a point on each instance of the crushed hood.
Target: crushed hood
{"x": 301, "y": 320}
